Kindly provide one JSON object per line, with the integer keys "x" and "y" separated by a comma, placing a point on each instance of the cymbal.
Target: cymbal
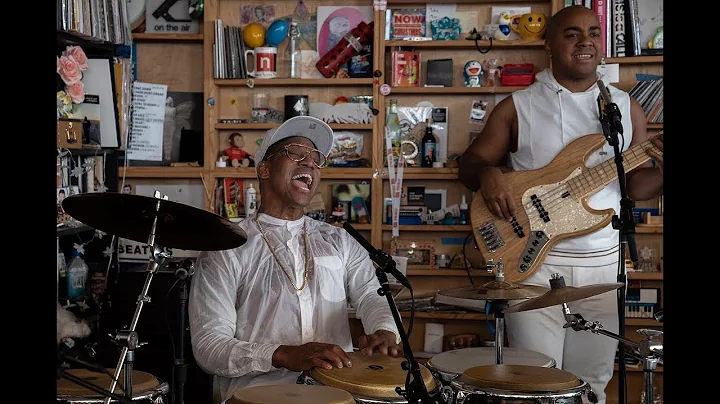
{"x": 495, "y": 290}
{"x": 131, "y": 216}
{"x": 562, "y": 295}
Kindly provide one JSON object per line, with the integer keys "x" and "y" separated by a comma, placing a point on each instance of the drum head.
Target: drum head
{"x": 459, "y": 360}
{"x": 519, "y": 378}
{"x": 371, "y": 376}
{"x": 141, "y": 382}
{"x": 291, "y": 394}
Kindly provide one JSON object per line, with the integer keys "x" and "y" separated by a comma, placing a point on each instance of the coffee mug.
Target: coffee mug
{"x": 265, "y": 62}
{"x": 530, "y": 26}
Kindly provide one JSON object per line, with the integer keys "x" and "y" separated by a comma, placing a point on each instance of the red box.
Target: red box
{"x": 517, "y": 75}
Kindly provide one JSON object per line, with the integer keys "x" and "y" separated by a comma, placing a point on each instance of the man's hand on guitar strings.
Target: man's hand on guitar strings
{"x": 657, "y": 155}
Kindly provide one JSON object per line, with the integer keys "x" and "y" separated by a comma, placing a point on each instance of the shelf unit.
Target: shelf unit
{"x": 230, "y": 95}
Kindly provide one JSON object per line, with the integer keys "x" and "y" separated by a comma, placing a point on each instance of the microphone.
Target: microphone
{"x": 381, "y": 258}
{"x": 611, "y": 109}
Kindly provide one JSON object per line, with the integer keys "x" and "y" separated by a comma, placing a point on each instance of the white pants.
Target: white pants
{"x": 588, "y": 356}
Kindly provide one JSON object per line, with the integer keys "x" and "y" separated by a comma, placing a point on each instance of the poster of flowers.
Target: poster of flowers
{"x": 70, "y": 66}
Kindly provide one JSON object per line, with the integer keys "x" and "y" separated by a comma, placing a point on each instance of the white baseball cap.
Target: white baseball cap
{"x": 314, "y": 129}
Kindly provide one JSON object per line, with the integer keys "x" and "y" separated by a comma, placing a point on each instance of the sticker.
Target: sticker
{"x": 610, "y": 73}
{"x": 211, "y": 101}
{"x": 385, "y": 89}
{"x": 250, "y": 83}
{"x": 233, "y": 101}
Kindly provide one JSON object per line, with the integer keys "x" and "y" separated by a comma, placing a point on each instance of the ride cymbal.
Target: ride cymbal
{"x": 495, "y": 290}
{"x": 564, "y": 294}
{"x": 178, "y": 226}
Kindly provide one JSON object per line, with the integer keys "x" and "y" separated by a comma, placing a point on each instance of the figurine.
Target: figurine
{"x": 338, "y": 214}
{"x": 473, "y": 71}
{"x": 492, "y": 70}
{"x": 235, "y": 155}
{"x": 502, "y": 33}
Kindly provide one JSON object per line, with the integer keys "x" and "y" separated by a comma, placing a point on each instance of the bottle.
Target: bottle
{"x": 77, "y": 273}
{"x": 294, "y": 55}
{"x": 429, "y": 146}
{"x": 463, "y": 211}
{"x": 250, "y": 200}
{"x": 393, "y": 127}
{"x": 62, "y": 274}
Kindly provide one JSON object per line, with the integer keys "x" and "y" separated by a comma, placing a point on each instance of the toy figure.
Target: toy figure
{"x": 473, "y": 71}
{"x": 502, "y": 32}
{"x": 235, "y": 154}
{"x": 492, "y": 70}
{"x": 338, "y": 214}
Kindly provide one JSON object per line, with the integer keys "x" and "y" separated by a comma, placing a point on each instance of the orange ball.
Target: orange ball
{"x": 254, "y": 35}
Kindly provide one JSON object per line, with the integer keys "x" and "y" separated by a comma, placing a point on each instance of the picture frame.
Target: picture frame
{"x": 432, "y": 196}
{"x": 420, "y": 254}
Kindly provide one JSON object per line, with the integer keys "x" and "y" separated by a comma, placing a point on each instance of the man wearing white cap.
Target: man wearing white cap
{"x": 266, "y": 311}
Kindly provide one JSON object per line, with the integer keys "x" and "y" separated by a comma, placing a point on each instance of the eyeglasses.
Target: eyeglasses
{"x": 298, "y": 152}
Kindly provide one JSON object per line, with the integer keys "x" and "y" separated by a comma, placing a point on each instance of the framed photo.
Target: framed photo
{"x": 420, "y": 254}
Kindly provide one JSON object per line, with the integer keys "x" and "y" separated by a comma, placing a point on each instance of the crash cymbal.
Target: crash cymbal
{"x": 564, "y": 294}
{"x": 178, "y": 226}
{"x": 495, "y": 290}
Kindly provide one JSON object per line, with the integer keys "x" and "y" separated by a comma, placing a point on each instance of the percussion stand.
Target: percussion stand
{"x": 497, "y": 307}
{"x": 649, "y": 351}
{"x": 129, "y": 338}
{"x": 183, "y": 272}
{"x": 90, "y": 386}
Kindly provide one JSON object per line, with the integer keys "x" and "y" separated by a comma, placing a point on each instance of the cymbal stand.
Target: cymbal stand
{"x": 649, "y": 351}
{"x": 129, "y": 338}
{"x": 497, "y": 307}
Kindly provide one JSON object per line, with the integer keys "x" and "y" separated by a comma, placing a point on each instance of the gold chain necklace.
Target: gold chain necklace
{"x": 307, "y": 262}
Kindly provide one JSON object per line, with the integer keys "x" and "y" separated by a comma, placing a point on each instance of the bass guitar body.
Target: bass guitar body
{"x": 551, "y": 205}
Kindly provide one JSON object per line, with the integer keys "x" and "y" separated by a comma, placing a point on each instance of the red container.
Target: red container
{"x": 517, "y": 75}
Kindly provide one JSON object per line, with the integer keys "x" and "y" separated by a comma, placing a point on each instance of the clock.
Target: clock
{"x": 136, "y": 12}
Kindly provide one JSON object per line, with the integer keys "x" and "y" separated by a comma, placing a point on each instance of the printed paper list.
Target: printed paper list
{"x": 146, "y": 138}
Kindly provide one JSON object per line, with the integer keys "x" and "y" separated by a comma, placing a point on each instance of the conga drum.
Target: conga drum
{"x": 291, "y": 394}
{"x": 511, "y": 384}
{"x": 371, "y": 379}
{"x": 146, "y": 388}
{"x": 449, "y": 365}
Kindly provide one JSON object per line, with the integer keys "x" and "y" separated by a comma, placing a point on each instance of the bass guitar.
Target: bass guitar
{"x": 551, "y": 205}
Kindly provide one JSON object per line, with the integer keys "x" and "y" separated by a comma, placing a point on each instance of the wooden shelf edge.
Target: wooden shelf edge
{"x": 161, "y": 172}
{"x": 645, "y": 276}
{"x": 430, "y": 227}
{"x": 465, "y": 43}
{"x": 637, "y": 368}
{"x": 646, "y": 229}
{"x": 635, "y": 59}
{"x": 293, "y": 82}
{"x": 147, "y": 36}
{"x": 266, "y": 126}
{"x": 447, "y": 272}
{"x": 455, "y": 90}
{"x": 643, "y": 322}
{"x": 328, "y": 173}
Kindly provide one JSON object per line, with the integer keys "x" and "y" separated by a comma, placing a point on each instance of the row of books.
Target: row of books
{"x": 648, "y": 91}
{"x": 627, "y": 26}
{"x": 100, "y": 20}
{"x": 229, "y": 52}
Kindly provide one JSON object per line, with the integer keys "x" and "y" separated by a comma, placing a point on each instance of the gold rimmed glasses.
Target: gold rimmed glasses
{"x": 298, "y": 152}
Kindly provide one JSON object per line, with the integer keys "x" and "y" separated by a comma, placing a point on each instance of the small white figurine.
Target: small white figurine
{"x": 502, "y": 33}
{"x": 473, "y": 71}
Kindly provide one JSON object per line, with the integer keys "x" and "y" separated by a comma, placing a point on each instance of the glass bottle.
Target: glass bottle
{"x": 294, "y": 55}
{"x": 393, "y": 127}
{"x": 429, "y": 146}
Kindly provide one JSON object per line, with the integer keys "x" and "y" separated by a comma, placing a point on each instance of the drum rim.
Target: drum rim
{"x": 467, "y": 388}
{"x": 432, "y": 366}
{"x": 433, "y": 389}
{"x": 160, "y": 389}
{"x": 350, "y": 396}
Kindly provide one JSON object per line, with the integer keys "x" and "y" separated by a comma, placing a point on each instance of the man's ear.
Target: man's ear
{"x": 263, "y": 170}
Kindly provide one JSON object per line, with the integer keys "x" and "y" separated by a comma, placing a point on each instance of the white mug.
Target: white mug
{"x": 265, "y": 66}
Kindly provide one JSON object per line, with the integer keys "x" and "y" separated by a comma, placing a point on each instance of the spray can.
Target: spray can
{"x": 250, "y": 200}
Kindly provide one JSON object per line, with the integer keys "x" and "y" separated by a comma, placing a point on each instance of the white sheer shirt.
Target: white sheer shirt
{"x": 242, "y": 306}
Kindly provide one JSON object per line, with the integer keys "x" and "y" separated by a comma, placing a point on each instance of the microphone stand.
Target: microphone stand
{"x": 183, "y": 272}
{"x": 415, "y": 391}
{"x": 611, "y": 121}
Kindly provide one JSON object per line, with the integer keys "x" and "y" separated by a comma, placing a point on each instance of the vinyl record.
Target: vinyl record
{"x": 136, "y": 12}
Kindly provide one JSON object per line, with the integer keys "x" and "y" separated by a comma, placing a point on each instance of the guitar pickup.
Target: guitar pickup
{"x": 491, "y": 236}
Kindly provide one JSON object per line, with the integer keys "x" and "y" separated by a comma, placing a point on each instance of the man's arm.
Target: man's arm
{"x": 362, "y": 286}
{"x": 489, "y": 149}
{"x": 212, "y": 315}
{"x": 646, "y": 181}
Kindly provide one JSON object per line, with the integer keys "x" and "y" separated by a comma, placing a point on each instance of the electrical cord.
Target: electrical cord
{"x": 465, "y": 262}
{"x": 170, "y": 331}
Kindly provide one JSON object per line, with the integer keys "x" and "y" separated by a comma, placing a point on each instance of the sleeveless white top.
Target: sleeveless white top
{"x": 550, "y": 117}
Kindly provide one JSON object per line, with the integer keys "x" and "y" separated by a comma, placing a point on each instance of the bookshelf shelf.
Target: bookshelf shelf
{"x": 141, "y": 36}
{"x": 646, "y": 229}
{"x": 466, "y": 43}
{"x": 329, "y": 173}
{"x": 645, "y": 276}
{"x": 455, "y": 90}
{"x": 160, "y": 172}
{"x": 266, "y": 126}
{"x": 446, "y": 272}
{"x": 635, "y": 60}
{"x": 294, "y": 82}
{"x": 643, "y": 322}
